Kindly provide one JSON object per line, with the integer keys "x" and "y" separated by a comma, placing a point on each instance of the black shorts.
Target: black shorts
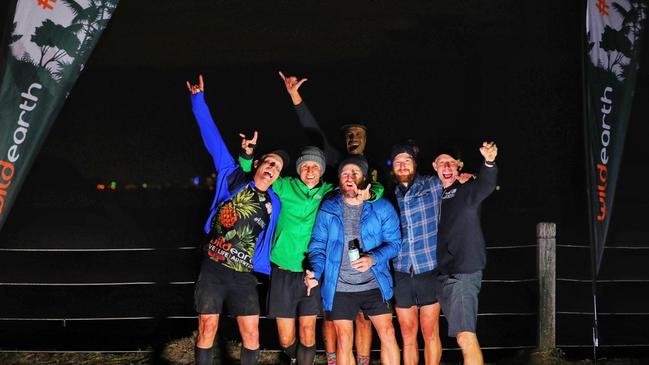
{"x": 419, "y": 290}
{"x": 347, "y": 305}
{"x": 287, "y": 295}
{"x": 218, "y": 284}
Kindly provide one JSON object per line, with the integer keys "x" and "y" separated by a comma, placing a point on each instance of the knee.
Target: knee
{"x": 408, "y": 328}
{"x": 250, "y": 336}
{"x": 466, "y": 340}
{"x": 207, "y": 327}
{"x": 286, "y": 341}
{"x": 307, "y": 335}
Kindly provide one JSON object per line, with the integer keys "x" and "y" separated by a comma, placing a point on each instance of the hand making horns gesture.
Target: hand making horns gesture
{"x": 195, "y": 89}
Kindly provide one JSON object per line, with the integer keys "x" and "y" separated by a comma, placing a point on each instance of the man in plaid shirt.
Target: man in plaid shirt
{"x": 415, "y": 268}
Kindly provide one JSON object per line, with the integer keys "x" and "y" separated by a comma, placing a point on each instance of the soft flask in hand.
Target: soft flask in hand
{"x": 354, "y": 250}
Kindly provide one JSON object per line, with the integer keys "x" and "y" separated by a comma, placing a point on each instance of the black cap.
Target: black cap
{"x": 448, "y": 150}
{"x": 344, "y": 127}
{"x": 281, "y": 153}
{"x": 402, "y": 148}
{"x": 357, "y": 160}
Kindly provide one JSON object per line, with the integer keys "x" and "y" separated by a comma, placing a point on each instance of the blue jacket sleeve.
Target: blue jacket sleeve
{"x": 318, "y": 245}
{"x": 391, "y": 233}
{"x": 210, "y": 133}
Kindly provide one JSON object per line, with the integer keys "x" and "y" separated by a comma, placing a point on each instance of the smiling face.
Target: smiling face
{"x": 447, "y": 169}
{"x": 350, "y": 178}
{"x": 268, "y": 170}
{"x": 404, "y": 168}
{"x": 310, "y": 173}
{"x": 355, "y": 140}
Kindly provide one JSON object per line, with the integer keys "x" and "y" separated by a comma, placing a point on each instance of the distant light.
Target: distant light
{"x": 214, "y": 175}
{"x": 197, "y": 180}
{"x": 144, "y": 185}
{"x": 388, "y": 162}
{"x": 101, "y": 186}
{"x": 497, "y": 187}
{"x": 113, "y": 185}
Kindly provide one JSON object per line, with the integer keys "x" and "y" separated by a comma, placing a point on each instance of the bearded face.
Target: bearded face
{"x": 350, "y": 180}
{"x": 404, "y": 168}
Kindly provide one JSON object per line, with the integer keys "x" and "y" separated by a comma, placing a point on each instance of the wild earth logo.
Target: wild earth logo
{"x": 613, "y": 30}
{"x": 19, "y": 136}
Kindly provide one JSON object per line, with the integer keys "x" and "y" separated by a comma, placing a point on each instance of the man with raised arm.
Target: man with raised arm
{"x": 351, "y": 247}
{"x": 461, "y": 253}
{"x": 355, "y": 141}
{"x": 239, "y": 229}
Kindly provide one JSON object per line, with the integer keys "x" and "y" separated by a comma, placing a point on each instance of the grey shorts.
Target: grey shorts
{"x": 458, "y": 294}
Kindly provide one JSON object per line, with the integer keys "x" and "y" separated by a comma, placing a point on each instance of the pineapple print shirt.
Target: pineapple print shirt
{"x": 236, "y": 227}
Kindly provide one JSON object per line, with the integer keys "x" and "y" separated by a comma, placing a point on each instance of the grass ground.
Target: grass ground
{"x": 181, "y": 352}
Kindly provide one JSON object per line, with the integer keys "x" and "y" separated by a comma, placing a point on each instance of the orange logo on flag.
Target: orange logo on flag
{"x": 602, "y": 6}
{"x": 45, "y": 4}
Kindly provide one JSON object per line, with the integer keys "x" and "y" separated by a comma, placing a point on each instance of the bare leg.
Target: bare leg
{"x": 389, "y": 346}
{"x": 409, "y": 325}
{"x": 468, "y": 342}
{"x": 329, "y": 336}
{"x": 345, "y": 339}
{"x": 208, "y": 324}
{"x": 429, "y": 318}
{"x": 286, "y": 331}
{"x": 363, "y": 337}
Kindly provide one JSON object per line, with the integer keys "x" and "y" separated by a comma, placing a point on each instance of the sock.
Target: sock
{"x": 249, "y": 357}
{"x": 291, "y": 351}
{"x": 362, "y": 360}
{"x": 331, "y": 358}
{"x": 306, "y": 355}
{"x": 203, "y": 356}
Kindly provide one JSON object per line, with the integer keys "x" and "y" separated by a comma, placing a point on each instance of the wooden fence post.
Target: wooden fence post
{"x": 546, "y": 234}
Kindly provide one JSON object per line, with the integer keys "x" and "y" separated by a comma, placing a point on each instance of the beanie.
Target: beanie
{"x": 311, "y": 153}
{"x": 357, "y": 160}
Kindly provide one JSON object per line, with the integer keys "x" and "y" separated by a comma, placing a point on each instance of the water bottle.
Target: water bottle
{"x": 354, "y": 250}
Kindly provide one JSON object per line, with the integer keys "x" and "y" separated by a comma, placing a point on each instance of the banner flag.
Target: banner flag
{"x": 614, "y": 31}
{"x": 49, "y": 43}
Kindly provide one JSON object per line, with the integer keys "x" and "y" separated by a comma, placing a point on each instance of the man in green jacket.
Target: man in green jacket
{"x": 288, "y": 299}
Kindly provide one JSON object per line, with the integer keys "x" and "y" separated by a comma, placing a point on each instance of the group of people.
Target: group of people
{"x": 342, "y": 251}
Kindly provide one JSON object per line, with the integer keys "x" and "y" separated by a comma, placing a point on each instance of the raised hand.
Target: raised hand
{"x": 195, "y": 89}
{"x": 364, "y": 194}
{"x": 489, "y": 150}
{"x": 248, "y": 145}
{"x": 292, "y": 85}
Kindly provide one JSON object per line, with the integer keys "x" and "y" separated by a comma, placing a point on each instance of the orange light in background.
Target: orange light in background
{"x": 113, "y": 185}
{"x": 101, "y": 186}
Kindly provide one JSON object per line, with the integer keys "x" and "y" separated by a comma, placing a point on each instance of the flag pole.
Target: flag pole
{"x": 589, "y": 162}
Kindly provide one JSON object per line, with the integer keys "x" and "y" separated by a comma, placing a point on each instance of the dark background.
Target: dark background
{"x": 441, "y": 72}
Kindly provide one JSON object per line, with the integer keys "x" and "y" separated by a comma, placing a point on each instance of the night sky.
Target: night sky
{"x": 459, "y": 72}
{"x": 456, "y": 72}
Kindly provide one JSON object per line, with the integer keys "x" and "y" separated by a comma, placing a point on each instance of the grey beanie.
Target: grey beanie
{"x": 358, "y": 160}
{"x": 311, "y": 153}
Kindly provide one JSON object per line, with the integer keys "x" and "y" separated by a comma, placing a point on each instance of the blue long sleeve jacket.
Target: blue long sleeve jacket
{"x": 230, "y": 179}
{"x": 380, "y": 234}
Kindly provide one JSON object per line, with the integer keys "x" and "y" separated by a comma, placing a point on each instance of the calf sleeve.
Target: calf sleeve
{"x": 291, "y": 351}
{"x": 249, "y": 357}
{"x": 305, "y": 355}
{"x": 203, "y": 356}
